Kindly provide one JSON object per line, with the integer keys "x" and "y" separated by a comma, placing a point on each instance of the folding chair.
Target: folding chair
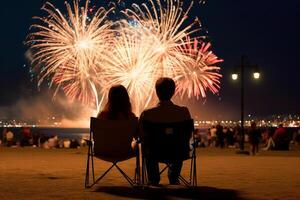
{"x": 110, "y": 140}
{"x": 169, "y": 142}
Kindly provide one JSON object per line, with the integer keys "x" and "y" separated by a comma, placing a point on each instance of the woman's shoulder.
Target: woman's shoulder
{"x": 103, "y": 115}
{"x": 132, "y": 115}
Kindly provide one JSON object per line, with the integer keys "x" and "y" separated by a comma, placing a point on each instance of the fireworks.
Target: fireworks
{"x": 201, "y": 74}
{"x": 86, "y": 56}
{"x": 68, "y": 49}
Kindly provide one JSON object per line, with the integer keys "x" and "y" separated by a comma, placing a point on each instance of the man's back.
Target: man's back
{"x": 166, "y": 111}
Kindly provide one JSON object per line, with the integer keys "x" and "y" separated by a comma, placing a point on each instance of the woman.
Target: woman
{"x": 118, "y": 105}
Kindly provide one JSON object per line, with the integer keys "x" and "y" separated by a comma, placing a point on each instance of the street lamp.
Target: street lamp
{"x": 234, "y": 76}
{"x": 256, "y": 75}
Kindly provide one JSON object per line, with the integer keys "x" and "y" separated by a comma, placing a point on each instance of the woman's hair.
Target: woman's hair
{"x": 118, "y": 102}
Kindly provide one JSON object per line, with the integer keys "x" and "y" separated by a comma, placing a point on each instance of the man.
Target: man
{"x": 281, "y": 138}
{"x": 9, "y": 138}
{"x": 254, "y": 136}
{"x": 165, "y": 111}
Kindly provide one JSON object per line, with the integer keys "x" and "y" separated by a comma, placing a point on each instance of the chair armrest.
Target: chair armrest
{"x": 88, "y": 142}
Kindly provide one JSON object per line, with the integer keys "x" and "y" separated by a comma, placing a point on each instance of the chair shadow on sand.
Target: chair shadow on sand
{"x": 202, "y": 193}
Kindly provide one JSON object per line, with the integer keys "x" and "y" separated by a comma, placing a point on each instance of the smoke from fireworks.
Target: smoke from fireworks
{"x": 86, "y": 56}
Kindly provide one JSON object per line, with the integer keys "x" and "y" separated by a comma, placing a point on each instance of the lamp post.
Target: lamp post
{"x": 234, "y": 76}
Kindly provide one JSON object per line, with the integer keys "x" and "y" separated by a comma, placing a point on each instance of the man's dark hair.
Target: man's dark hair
{"x": 165, "y": 88}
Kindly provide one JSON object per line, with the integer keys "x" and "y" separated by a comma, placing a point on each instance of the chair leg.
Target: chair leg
{"x": 93, "y": 169}
{"x": 137, "y": 172}
{"x": 144, "y": 172}
{"x": 130, "y": 181}
{"x": 164, "y": 169}
{"x": 86, "y": 184}
{"x": 195, "y": 171}
{"x": 98, "y": 179}
{"x": 87, "y": 173}
{"x": 192, "y": 182}
{"x": 184, "y": 181}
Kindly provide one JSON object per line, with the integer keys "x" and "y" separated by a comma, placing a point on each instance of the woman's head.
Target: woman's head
{"x": 118, "y": 100}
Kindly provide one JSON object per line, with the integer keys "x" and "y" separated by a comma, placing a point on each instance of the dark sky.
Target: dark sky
{"x": 267, "y": 32}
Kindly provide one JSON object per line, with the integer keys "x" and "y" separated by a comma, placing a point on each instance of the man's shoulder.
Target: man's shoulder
{"x": 169, "y": 113}
{"x": 182, "y": 108}
{"x": 173, "y": 107}
{"x": 149, "y": 110}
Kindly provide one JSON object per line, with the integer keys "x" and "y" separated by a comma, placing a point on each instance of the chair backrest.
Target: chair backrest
{"x": 112, "y": 138}
{"x": 167, "y": 142}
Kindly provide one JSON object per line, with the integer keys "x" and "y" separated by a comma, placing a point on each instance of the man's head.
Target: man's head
{"x": 165, "y": 88}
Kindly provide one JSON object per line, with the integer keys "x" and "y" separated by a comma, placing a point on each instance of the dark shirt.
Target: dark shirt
{"x": 166, "y": 111}
{"x": 254, "y": 136}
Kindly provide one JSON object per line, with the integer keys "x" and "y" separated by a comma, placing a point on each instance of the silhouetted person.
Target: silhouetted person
{"x": 220, "y": 136}
{"x": 26, "y": 137}
{"x": 165, "y": 111}
{"x": 254, "y": 136}
{"x": 9, "y": 135}
{"x": 281, "y": 138}
{"x": 230, "y": 137}
{"x": 118, "y": 105}
{"x": 297, "y": 138}
{"x": 213, "y": 135}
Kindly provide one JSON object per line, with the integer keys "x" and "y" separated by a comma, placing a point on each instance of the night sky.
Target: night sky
{"x": 267, "y": 32}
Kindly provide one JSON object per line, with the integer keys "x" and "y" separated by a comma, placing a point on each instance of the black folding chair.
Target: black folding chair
{"x": 110, "y": 140}
{"x": 167, "y": 143}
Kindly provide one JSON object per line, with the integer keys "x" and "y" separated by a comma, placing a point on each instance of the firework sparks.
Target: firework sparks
{"x": 131, "y": 64}
{"x": 165, "y": 21}
{"x": 87, "y": 56}
{"x": 68, "y": 49}
{"x": 200, "y": 74}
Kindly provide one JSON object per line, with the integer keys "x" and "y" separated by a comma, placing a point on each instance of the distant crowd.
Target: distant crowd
{"x": 25, "y": 137}
{"x": 216, "y": 136}
{"x": 231, "y": 137}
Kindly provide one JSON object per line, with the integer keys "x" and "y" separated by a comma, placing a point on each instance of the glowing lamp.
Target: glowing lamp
{"x": 234, "y": 76}
{"x": 256, "y": 75}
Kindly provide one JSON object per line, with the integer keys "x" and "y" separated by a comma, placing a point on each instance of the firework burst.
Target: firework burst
{"x": 67, "y": 49}
{"x": 201, "y": 73}
{"x": 86, "y": 56}
{"x": 131, "y": 64}
{"x": 165, "y": 20}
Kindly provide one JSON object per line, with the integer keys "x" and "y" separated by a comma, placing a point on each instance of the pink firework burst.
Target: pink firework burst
{"x": 201, "y": 71}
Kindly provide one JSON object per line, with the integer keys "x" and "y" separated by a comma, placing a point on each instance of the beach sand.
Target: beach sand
{"x": 34, "y": 173}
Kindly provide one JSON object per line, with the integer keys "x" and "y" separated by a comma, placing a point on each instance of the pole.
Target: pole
{"x": 242, "y": 146}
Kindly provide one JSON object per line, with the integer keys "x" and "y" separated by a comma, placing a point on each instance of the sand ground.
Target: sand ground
{"x": 33, "y": 173}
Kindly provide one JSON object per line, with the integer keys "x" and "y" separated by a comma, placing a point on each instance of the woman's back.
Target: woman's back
{"x": 117, "y": 116}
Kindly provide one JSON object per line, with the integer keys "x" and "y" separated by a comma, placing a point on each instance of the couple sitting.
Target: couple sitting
{"x": 119, "y": 107}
